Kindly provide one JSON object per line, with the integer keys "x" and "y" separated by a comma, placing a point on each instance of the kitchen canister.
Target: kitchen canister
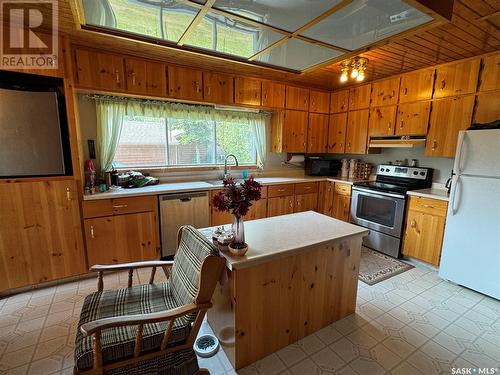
{"x": 352, "y": 168}
{"x": 345, "y": 168}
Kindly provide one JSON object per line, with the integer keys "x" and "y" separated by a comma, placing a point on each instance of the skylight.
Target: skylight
{"x": 287, "y": 34}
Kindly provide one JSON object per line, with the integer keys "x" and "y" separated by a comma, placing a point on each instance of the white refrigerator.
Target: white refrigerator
{"x": 471, "y": 247}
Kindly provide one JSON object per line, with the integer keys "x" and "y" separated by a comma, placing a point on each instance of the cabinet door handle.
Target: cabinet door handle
{"x": 68, "y": 194}
{"x": 389, "y": 126}
{"x": 291, "y": 204}
{"x": 434, "y": 145}
{"x": 117, "y": 76}
{"x": 92, "y": 235}
{"x": 405, "y": 91}
{"x": 414, "y": 226}
{"x": 133, "y": 78}
{"x": 120, "y": 205}
{"x": 443, "y": 84}
{"x": 402, "y": 124}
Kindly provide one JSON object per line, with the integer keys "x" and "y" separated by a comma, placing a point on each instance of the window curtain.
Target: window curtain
{"x": 109, "y": 127}
{"x": 111, "y": 111}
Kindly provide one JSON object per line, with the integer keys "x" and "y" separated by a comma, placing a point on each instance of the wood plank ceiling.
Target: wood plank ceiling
{"x": 473, "y": 30}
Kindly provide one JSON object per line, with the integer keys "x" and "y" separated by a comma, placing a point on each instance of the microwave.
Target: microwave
{"x": 316, "y": 166}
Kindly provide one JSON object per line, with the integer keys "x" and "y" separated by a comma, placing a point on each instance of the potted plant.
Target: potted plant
{"x": 237, "y": 198}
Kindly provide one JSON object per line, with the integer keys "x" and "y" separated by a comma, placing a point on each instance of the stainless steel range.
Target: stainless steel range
{"x": 380, "y": 205}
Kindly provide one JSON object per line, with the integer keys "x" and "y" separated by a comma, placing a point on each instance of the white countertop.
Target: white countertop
{"x": 433, "y": 193}
{"x": 281, "y": 236}
{"x": 178, "y": 187}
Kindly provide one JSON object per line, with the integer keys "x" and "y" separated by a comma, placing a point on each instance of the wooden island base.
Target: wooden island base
{"x": 273, "y": 304}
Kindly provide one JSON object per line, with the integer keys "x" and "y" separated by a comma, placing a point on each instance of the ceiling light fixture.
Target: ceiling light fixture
{"x": 357, "y": 67}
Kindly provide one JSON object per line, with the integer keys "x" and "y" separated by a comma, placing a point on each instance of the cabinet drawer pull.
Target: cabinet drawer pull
{"x": 281, "y": 190}
{"x": 427, "y": 206}
{"x": 120, "y": 205}
{"x": 92, "y": 232}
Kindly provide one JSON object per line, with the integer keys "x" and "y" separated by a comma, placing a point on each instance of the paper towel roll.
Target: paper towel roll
{"x": 296, "y": 159}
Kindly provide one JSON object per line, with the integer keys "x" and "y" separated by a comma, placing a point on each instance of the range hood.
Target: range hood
{"x": 405, "y": 141}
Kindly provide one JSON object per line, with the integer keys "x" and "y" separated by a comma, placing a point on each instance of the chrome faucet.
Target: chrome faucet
{"x": 226, "y": 174}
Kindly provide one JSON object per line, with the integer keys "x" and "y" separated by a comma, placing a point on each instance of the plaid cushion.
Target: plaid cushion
{"x": 181, "y": 289}
{"x": 118, "y": 342}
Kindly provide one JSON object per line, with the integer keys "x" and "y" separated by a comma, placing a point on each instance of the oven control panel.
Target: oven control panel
{"x": 401, "y": 171}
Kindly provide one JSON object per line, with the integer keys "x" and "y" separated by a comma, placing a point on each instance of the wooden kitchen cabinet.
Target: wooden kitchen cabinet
{"x": 273, "y": 94}
{"x": 339, "y": 101}
{"x": 457, "y": 78}
{"x": 341, "y": 208}
{"x": 385, "y": 92}
{"x": 99, "y": 70}
{"x": 325, "y": 197}
{"x": 317, "y": 133}
{"x": 490, "y": 73}
{"x": 297, "y": 98}
{"x": 416, "y": 86}
{"x": 122, "y": 238}
{"x": 487, "y": 107}
{"x": 282, "y": 205}
{"x": 448, "y": 117}
{"x": 121, "y": 230}
{"x": 357, "y": 131}
{"x": 413, "y": 118}
{"x": 382, "y": 121}
{"x": 319, "y": 101}
{"x": 146, "y": 77}
{"x": 218, "y": 217}
{"x": 41, "y": 236}
{"x": 359, "y": 97}
{"x": 306, "y": 202}
{"x": 247, "y": 91}
{"x": 423, "y": 235}
{"x": 337, "y": 133}
{"x": 185, "y": 83}
{"x": 218, "y": 88}
{"x": 258, "y": 210}
{"x": 289, "y": 131}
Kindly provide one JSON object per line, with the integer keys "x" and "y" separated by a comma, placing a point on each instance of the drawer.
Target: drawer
{"x": 429, "y": 206}
{"x": 118, "y": 206}
{"x": 342, "y": 189}
{"x": 280, "y": 190}
{"x": 132, "y": 205}
{"x": 97, "y": 208}
{"x": 306, "y": 187}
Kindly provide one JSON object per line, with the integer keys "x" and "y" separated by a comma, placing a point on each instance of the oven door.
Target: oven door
{"x": 382, "y": 212}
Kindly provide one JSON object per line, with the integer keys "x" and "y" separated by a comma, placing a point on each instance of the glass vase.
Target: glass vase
{"x": 238, "y": 230}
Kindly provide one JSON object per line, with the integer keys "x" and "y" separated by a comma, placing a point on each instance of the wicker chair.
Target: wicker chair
{"x": 151, "y": 328}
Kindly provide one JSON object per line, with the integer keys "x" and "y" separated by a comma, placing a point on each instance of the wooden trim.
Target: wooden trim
{"x": 268, "y": 48}
{"x": 15, "y": 180}
{"x": 488, "y": 16}
{"x": 195, "y": 22}
{"x": 78, "y": 13}
{"x": 322, "y": 16}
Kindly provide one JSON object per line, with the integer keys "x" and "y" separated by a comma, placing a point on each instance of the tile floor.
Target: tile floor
{"x": 413, "y": 323}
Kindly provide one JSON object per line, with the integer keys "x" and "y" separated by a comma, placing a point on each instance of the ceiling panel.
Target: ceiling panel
{"x": 229, "y": 36}
{"x": 365, "y": 22}
{"x": 297, "y": 55}
{"x": 284, "y": 14}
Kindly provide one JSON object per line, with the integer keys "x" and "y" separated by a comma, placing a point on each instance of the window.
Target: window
{"x": 176, "y": 141}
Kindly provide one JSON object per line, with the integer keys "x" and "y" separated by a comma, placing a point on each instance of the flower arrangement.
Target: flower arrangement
{"x": 237, "y": 198}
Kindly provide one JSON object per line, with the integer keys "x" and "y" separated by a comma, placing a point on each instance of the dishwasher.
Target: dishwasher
{"x": 177, "y": 210}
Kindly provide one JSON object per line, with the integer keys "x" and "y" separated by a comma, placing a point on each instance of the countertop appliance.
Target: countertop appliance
{"x": 380, "y": 205}
{"x": 177, "y": 210}
{"x": 316, "y": 166}
{"x": 471, "y": 247}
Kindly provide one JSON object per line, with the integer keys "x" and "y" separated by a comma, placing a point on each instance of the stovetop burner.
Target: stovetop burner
{"x": 385, "y": 187}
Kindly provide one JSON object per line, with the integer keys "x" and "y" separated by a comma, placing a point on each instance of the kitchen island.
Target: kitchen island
{"x": 300, "y": 274}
